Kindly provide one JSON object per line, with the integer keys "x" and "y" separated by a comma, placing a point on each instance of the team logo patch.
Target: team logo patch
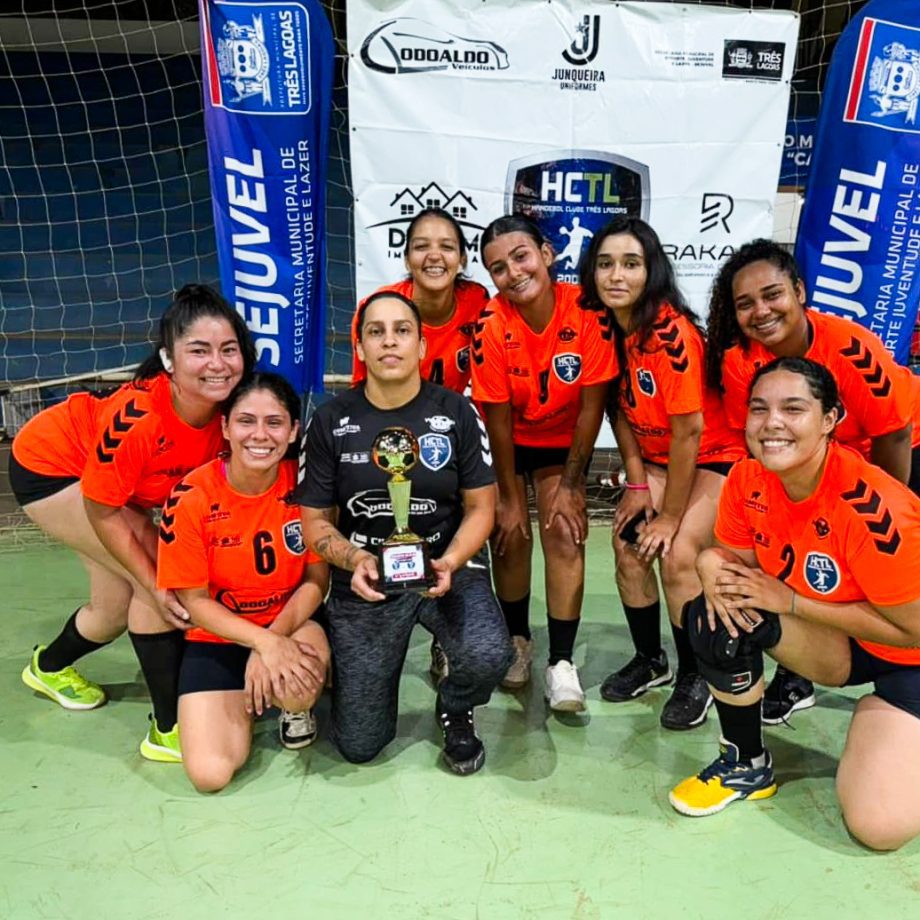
{"x": 440, "y": 423}
{"x": 567, "y": 334}
{"x": 645, "y": 381}
{"x": 567, "y": 367}
{"x": 463, "y": 359}
{"x": 293, "y": 538}
{"x": 821, "y": 572}
{"x": 434, "y": 450}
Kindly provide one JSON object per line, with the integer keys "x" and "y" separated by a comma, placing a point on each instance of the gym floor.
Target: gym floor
{"x": 569, "y": 818}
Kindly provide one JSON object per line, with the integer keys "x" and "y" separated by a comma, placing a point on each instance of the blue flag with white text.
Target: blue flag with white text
{"x": 267, "y": 97}
{"x": 858, "y": 242}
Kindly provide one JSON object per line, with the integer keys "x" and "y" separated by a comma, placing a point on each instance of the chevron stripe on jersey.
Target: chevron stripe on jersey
{"x": 869, "y": 369}
{"x": 867, "y": 503}
{"x": 122, "y": 422}
{"x": 669, "y": 333}
{"x": 476, "y": 340}
{"x": 168, "y": 518}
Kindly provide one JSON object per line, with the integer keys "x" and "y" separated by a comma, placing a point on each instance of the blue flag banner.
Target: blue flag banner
{"x": 267, "y": 96}
{"x": 859, "y": 235}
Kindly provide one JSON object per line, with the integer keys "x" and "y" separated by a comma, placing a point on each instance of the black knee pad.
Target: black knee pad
{"x": 730, "y": 665}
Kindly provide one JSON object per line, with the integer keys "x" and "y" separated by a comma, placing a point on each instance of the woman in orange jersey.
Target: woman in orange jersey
{"x": 815, "y": 562}
{"x": 449, "y": 305}
{"x": 759, "y": 312}
{"x": 541, "y": 367}
{"x": 676, "y": 451}
{"x": 232, "y": 549}
{"x": 91, "y": 471}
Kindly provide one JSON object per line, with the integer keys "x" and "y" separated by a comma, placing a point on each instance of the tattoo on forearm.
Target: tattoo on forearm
{"x": 335, "y": 549}
{"x": 574, "y": 467}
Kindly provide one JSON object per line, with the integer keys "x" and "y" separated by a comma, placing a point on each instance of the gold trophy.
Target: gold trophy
{"x": 403, "y": 557}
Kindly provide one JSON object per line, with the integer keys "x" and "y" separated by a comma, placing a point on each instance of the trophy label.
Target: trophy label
{"x": 404, "y": 563}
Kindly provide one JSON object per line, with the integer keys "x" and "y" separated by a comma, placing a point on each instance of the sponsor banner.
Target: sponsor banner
{"x": 267, "y": 95}
{"x": 571, "y": 112}
{"x": 859, "y": 235}
{"x": 798, "y": 147}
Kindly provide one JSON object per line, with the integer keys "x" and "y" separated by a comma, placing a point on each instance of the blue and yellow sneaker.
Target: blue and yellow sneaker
{"x": 162, "y": 747}
{"x": 726, "y": 779}
{"x": 67, "y": 687}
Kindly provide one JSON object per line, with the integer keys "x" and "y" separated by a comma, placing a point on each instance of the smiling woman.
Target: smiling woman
{"x": 91, "y": 471}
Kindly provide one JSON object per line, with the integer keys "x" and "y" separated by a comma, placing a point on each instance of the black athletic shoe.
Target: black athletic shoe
{"x": 688, "y": 704}
{"x": 463, "y": 751}
{"x": 634, "y": 678}
{"x": 788, "y": 693}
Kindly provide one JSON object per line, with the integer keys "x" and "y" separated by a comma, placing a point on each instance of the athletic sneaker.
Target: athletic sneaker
{"x": 297, "y": 729}
{"x": 641, "y": 673}
{"x": 563, "y": 689}
{"x": 67, "y": 687}
{"x": 162, "y": 747}
{"x": 439, "y": 668}
{"x": 726, "y": 779}
{"x": 688, "y": 703}
{"x": 463, "y": 751}
{"x": 788, "y": 693}
{"x": 518, "y": 675}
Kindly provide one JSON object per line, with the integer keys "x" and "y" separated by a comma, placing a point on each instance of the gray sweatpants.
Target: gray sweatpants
{"x": 369, "y": 644}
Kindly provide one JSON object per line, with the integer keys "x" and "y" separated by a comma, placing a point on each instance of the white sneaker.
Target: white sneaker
{"x": 296, "y": 729}
{"x": 563, "y": 690}
{"x": 518, "y": 675}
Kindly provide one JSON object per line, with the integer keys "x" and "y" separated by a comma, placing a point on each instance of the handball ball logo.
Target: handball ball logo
{"x": 414, "y": 46}
{"x": 243, "y": 60}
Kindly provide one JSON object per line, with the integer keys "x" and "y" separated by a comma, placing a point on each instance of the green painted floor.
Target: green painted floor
{"x": 568, "y": 819}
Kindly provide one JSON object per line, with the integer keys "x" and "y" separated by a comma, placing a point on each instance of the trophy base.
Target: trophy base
{"x": 405, "y": 567}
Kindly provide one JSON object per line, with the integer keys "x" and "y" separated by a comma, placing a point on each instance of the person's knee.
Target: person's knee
{"x": 875, "y": 830}
{"x": 360, "y": 750}
{"x": 559, "y": 547}
{"x": 680, "y": 563}
{"x": 209, "y": 774}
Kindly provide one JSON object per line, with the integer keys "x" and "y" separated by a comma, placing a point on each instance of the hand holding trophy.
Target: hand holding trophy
{"x": 404, "y": 560}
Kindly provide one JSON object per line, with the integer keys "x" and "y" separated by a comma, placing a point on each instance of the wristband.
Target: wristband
{"x": 637, "y": 486}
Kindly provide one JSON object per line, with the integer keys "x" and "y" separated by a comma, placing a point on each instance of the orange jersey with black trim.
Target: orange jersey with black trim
{"x": 664, "y": 377}
{"x": 542, "y": 373}
{"x": 854, "y": 539}
{"x": 878, "y": 395}
{"x": 447, "y": 356}
{"x": 248, "y": 550}
{"x": 129, "y": 446}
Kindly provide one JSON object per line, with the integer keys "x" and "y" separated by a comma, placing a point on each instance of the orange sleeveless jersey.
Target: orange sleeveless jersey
{"x": 542, "y": 373}
{"x": 664, "y": 377}
{"x": 447, "y": 358}
{"x": 878, "y": 395}
{"x": 248, "y": 550}
{"x": 854, "y": 539}
{"x": 129, "y": 446}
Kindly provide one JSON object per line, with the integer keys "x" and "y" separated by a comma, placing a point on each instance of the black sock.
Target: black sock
{"x": 517, "y": 616}
{"x": 160, "y": 655}
{"x": 67, "y": 647}
{"x": 645, "y": 628}
{"x": 686, "y": 660}
{"x": 741, "y": 725}
{"x": 561, "y": 639}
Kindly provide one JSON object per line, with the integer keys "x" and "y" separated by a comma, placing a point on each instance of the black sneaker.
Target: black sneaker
{"x": 296, "y": 729}
{"x": 633, "y": 679}
{"x": 788, "y": 693}
{"x": 463, "y": 751}
{"x": 688, "y": 704}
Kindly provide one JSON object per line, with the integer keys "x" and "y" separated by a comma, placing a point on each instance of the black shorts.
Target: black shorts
{"x": 29, "y": 487}
{"x": 897, "y": 684}
{"x": 527, "y": 460}
{"x": 213, "y": 666}
{"x": 721, "y": 467}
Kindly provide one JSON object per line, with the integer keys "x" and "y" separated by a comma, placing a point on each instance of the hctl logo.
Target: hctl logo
{"x": 409, "y": 45}
{"x": 571, "y": 194}
{"x": 408, "y": 202}
{"x": 821, "y": 572}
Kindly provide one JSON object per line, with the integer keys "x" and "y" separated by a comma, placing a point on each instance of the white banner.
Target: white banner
{"x": 571, "y": 112}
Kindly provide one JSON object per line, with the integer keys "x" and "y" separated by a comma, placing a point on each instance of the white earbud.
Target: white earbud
{"x": 164, "y": 360}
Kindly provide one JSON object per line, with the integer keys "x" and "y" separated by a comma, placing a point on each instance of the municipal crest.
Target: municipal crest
{"x": 567, "y": 367}
{"x": 821, "y": 572}
{"x": 894, "y": 82}
{"x": 434, "y": 450}
{"x": 293, "y": 538}
{"x": 243, "y": 60}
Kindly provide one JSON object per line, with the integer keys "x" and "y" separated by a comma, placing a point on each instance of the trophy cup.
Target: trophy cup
{"x": 403, "y": 557}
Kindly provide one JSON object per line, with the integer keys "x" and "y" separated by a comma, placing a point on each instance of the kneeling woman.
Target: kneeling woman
{"x": 232, "y": 549}
{"x": 815, "y": 563}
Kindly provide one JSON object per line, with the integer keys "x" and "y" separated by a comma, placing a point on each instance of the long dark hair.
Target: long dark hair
{"x": 190, "y": 304}
{"x": 279, "y": 387}
{"x": 660, "y": 288}
{"x": 722, "y": 327}
{"x": 442, "y": 215}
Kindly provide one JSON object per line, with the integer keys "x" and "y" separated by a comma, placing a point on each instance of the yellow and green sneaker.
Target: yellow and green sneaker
{"x": 725, "y": 780}
{"x": 162, "y": 747}
{"x": 67, "y": 687}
